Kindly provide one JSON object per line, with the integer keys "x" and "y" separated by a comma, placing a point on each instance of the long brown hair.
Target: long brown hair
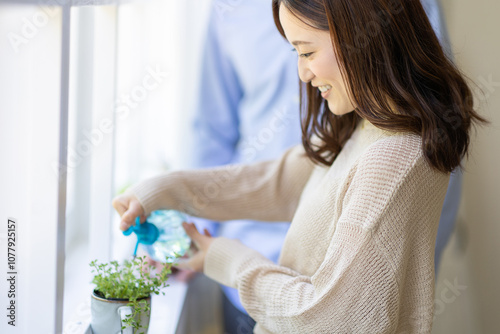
{"x": 397, "y": 75}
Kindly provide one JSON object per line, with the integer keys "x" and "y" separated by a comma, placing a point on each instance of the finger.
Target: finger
{"x": 134, "y": 210}
{"x": 207, "y": 233}
{"x": 125, "y": 224}
{"x": 194, "y": 263}
{"x": 192, "y": 232}
{"x": 120, "y": 204}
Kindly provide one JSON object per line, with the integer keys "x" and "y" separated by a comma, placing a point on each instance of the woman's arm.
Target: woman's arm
{"x": 267, "y": 191}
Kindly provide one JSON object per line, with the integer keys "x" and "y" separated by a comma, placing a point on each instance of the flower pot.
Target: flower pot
{"x": 108, "y": 315}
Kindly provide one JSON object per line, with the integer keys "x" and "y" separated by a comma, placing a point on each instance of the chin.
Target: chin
{"x": 339, "y": 111}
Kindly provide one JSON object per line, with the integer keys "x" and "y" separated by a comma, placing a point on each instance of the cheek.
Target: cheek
{"x": 328, "y": 70}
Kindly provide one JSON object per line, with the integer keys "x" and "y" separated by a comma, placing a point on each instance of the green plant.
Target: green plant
{"x": 131, "y": 280}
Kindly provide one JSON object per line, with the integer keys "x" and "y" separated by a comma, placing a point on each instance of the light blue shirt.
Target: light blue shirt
{"x": 452, "y": 199}
{"x": 248, "y": 110}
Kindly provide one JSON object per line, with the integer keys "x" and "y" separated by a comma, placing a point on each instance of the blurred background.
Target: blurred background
{"x": 125, "y": 77}
{"x": 471, "y": 258}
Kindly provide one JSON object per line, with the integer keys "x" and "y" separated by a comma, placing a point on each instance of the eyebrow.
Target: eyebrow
{"x": 297, "y": 43}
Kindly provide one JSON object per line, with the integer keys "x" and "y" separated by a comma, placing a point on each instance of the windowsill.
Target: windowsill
{"x": 165, "y": 311}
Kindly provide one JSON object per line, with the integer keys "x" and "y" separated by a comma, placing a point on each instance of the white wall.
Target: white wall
{"x": 473, "y": 256}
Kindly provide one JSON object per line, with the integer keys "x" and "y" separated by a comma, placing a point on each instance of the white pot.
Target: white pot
{"x": 108, "y": 316}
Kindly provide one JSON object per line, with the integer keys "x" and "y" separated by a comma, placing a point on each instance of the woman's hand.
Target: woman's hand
{"x": 182, "y": 275}
{"x": 201, "y": 242}
{"x": 128, "y": 207}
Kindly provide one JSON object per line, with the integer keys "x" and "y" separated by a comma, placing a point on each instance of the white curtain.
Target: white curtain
{"x": 132, "y": 69}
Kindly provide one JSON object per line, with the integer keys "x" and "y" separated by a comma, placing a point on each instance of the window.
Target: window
{"x": 93, "y": 99}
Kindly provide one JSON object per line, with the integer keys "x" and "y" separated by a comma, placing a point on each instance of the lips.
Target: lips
{"x": 324, "y": 89}
{"x": 325, "y": 94}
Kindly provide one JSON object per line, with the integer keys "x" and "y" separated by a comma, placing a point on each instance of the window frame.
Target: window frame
{"x": 101, "y": 197}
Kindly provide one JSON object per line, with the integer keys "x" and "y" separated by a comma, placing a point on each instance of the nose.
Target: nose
{"x": 305, "y": 74}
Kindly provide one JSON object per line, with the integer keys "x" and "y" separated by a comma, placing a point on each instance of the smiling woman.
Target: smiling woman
{"x": 318, "y": 64}
{"x": 387, "y": 117}
{"x": 385, "y": 61}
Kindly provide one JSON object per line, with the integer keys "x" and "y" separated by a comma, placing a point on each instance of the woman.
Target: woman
{"x": 387, "y": 118}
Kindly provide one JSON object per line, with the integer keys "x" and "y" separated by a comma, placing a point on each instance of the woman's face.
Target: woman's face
{"x": 317, "y": 61}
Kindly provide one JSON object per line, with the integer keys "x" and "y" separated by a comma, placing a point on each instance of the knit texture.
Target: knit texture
{"x": 359, "y": 254}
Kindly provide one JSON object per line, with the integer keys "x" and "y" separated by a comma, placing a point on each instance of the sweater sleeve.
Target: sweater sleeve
{"x": 267, "y": 191}
{"x": 357, "y": 287}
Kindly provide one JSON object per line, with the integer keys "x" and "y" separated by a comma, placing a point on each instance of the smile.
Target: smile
{"x": 325, "y": 90}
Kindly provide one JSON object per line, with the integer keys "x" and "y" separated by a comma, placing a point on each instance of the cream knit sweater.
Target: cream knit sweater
{"x": 358, "y": 257}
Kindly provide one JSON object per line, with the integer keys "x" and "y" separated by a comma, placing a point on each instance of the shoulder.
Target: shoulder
{"x": 394, "y": 151}
{"x": 392, "y": 159}
{"x": 390, "y": 177}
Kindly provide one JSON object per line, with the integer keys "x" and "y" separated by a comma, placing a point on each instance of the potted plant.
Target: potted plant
{"x": 121, "y": 300}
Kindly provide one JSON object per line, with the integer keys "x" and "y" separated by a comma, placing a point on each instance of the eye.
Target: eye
{"x": 304, "y": 55}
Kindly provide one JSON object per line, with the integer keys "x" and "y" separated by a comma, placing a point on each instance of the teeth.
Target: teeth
{"x": 324, "y": 88}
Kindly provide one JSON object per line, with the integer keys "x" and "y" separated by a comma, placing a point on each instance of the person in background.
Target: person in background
{"x": 247, "y": 111}
{"x": 452, "y": 199}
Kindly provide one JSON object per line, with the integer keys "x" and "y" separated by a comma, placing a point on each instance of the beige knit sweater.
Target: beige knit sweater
{"x": 358, "y": 257}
